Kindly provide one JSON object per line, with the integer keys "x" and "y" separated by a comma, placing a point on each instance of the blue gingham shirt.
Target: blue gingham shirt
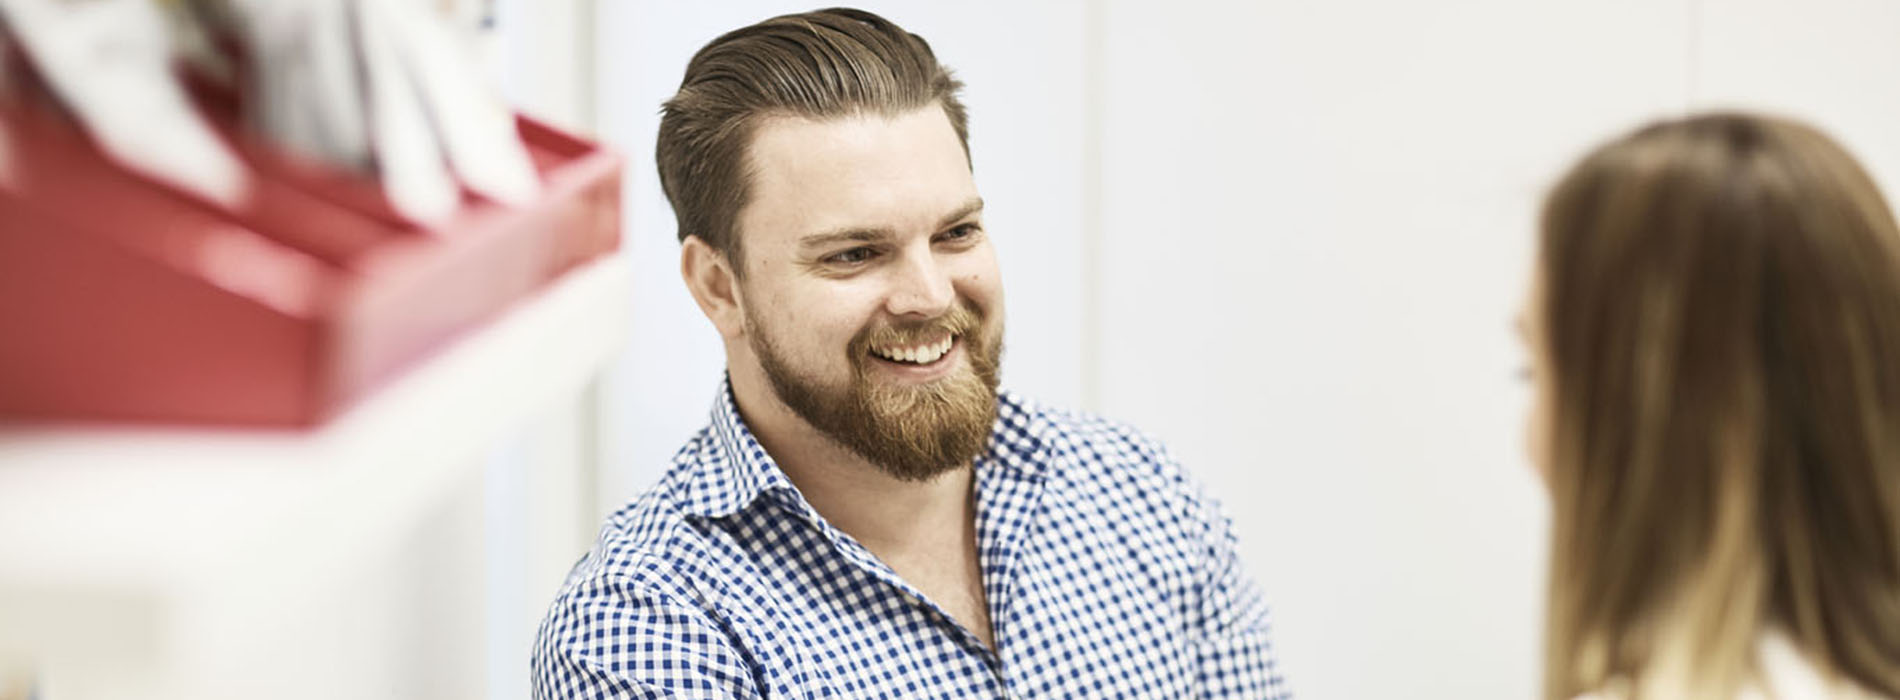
{"x": 1108, "y": 572}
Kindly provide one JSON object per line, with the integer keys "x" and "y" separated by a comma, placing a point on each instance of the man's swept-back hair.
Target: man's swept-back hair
{"x": 825, "y": 64}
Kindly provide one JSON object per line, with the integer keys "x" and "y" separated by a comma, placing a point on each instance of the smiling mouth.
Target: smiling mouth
{"x": 920, "y": 354}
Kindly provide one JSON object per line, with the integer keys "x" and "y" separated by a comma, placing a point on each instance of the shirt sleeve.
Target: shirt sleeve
{"x": 608, "y": 637}
{"x": 1236, "y": 656}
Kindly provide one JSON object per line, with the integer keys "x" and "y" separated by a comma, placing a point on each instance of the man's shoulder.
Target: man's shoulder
{"x": 1083, "y": 427}
{"x": 645, "y": 596}
{"x": 1104, "y": 475}
{"x": 652, "y": 543}
{"x": 1099, "y": 454}
{"x": 649, "y": 541}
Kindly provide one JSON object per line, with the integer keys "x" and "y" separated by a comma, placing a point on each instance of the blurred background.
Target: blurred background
{"x": 1287, "y": 238}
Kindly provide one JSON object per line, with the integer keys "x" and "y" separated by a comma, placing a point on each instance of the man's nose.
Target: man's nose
{"x": 920, "y": 287}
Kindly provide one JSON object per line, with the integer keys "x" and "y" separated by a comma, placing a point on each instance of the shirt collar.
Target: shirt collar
{"x": 733, "y": 469}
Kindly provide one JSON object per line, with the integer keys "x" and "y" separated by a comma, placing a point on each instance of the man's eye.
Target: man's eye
{"x": 850, "y": 257}
{"x": 959, "y": 233}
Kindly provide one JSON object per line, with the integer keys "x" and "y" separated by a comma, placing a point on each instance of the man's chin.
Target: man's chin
{"x": 940, "y": 396}
{"x": 915, "y": 424}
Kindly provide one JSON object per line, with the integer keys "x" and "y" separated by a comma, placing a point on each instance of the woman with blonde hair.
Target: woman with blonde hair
{"x": 1716, "y": 327}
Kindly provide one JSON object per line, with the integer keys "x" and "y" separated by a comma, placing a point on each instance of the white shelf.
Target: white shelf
{"x": 171, "y": 544}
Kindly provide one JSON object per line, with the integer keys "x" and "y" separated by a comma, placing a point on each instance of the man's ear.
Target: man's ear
{"x": 709, "y": 276}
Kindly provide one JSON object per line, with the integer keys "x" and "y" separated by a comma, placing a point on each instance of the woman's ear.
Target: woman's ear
{"x": 709, "y": 276}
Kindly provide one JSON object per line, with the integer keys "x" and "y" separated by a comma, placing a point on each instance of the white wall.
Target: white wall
{"x": 1316, "y": 235}
{"x": 1289, "y": 238}
{"x": 1316, "y": 229}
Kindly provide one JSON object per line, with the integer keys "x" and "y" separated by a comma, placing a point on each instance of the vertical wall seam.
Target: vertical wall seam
{"x": 1692, "y": 61}
{"x": 1093, "y": 101}
{"x": 588, "y": 59}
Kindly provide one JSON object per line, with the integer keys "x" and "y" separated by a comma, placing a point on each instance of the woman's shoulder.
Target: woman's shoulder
{"x": 1614, "y": 692}
{"x": 1791, "y": 676}
{"x": 1786, "y": 674}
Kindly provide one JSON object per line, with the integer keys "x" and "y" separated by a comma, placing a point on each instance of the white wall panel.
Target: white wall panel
{"x": 1317, "y": 225}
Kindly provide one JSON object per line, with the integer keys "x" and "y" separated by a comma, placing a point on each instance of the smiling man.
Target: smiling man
{"x": 866, "y": 514}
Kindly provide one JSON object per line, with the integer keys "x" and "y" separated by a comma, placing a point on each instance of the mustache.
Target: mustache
{"x": 960, "y": 320}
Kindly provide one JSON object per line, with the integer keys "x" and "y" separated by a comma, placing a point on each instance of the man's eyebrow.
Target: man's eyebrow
{"x": 876, "y": 235}
{"x": 850, "y": 235}
{"x": 971, "y": 207}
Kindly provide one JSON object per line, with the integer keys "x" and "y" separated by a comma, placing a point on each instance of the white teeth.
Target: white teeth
{"x": 922, "y": 354}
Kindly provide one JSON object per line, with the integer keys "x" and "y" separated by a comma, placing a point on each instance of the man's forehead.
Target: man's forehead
{"x": 867, "y": 171}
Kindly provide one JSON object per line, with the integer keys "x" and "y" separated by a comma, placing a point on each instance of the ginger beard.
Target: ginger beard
{"x": 914, "y": 432}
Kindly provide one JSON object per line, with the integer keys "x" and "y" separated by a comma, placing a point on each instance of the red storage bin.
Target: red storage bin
{"x": 123, "y": 299}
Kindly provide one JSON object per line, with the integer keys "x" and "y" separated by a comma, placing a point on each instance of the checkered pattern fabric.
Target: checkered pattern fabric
{"x": 1109, "y": 574}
